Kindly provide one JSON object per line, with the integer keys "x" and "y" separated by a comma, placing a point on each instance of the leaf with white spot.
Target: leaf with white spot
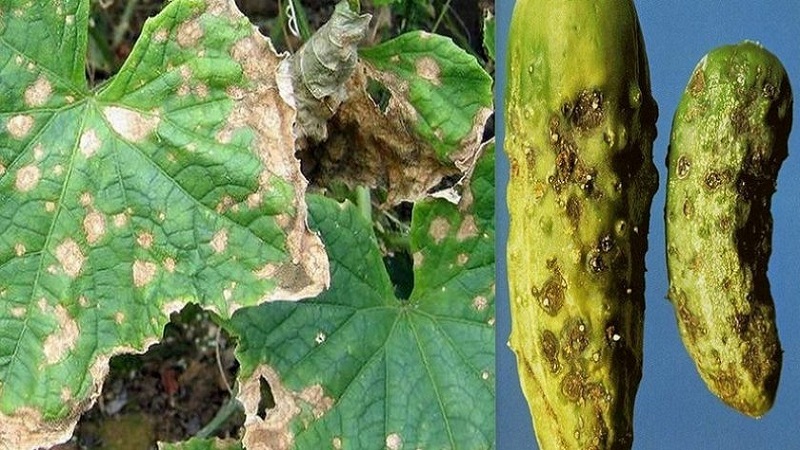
{"x": 415, "y": 117}
{"x": 359, "y": 368}
{"x": 173, "y": 182}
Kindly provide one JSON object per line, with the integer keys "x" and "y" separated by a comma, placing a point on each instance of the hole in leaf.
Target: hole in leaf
{"x": 267, "y": 401}
{"x": 168, "y": 393}
{"x": 400, "y": 267}
{"x": 378, "y": 93}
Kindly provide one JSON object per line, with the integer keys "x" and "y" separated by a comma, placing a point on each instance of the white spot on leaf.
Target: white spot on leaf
{"x": 480, "y": 303}
{"x": 20, "y": 249}
{"x": 220, "y": 241}
{"x": 143, "y": 273}
{"x": 89, "y": 143}
{"x": 438, "y": 229}
{"x": 132, "y": 125}
{"x": 145, "y": 240}
{"x": 394, "y": 441}
{"x": 189, "y": 33}
{"x": 63, "y": 339}
{"x": 94, "y": 225}
{"x": 27, "y": 178}
{"x": 38, "y": 93}
{"x": 428, "y": 69}
{"x": 71, "y": 258}
{"x": 18, "y": 126}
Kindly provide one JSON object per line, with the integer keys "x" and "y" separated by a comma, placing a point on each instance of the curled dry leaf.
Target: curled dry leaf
{"x": 412, "y": 122}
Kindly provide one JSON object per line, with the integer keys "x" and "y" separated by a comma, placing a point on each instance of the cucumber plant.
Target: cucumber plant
{"x": 175, "y": 181}
{"x": 580, "y": 123}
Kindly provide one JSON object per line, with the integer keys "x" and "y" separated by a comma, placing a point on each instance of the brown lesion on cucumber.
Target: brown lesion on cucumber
{"x": 586, "y": 111}
{"x": 572, "y": 386}
{"x": 714, "y": 179}
{"x": 697, "y": 83}
{"x": 684, "y": 167}
{"x": 551, "y": 295}
{"x": 569, "y": 168}
{"x": 691, "y": 323}
{"x": 550, "y": 350}
{"x": 574, "y": 210}
{"x": 574, "y": 339}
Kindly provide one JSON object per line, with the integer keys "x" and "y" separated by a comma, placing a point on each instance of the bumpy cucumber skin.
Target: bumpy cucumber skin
{"x": 729, "y": 138}
{"x": 580, "y": 124}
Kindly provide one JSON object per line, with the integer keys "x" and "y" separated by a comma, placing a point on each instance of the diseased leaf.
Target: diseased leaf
{"x": 322, "y": 66}
{"x": 415, "y": 115}
{"x": 359, "y": 368}
{"x": 202, "y": 444}
{"x": 174, "y": 182}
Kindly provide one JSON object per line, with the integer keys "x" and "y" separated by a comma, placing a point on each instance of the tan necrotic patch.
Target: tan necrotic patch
{"x": 439, "y": 229}
{"x": 468, "y": 229}
{"x": 429, "y": 69}
{"x": 394, "y": 442}
{"x": 94, "y": 225}
{"x": 480, "y": 303}
{"x": 38, "y": 93}
{"x": 27, "y": 178}
{"x": 274, "y": 432}
{"x": 58, "y": 344}
{"x": 220, "y": 241}
{"x": 133, "y": 126}
{"x": 145, "y": 239}
{"x": 19, "y": 249}
{"x": 70, "y": 257}
{"x": 189, "y": 33}
{"x": 143, "y": 272}
{"x": 19, "y": 126}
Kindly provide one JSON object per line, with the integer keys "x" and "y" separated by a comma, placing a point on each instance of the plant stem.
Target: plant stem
{"x": 231, "y": 407}
{"x": 364, "y": 202}
{"x": 124, "y": 23}
{"x": 445, "y": 8}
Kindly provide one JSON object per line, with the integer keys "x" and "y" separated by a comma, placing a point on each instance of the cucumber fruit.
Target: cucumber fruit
{"x": 580, "y": 124}
{"x": 729, "y": 138}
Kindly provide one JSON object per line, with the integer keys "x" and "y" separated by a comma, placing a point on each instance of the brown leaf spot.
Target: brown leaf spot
{"x": 26, "y": 428}
{"x": 89, "y": 143}
{"x": 66, "y": 394}
{"x": 38, "y": 93}
{"x": 143, "y": 272}
{"x": 468, "y": 229}
{"x": 266, "y": 272}
{"x": 429, "y": 69}
{"x": 63, "y": 339}
{"x": 189, "y": 33}
{"x": 225, "y": 203}
{"x": 394, "y": 441}
{"x": 132, "y": 125}
{"x": 94, "y": 225}
{"x": 71, "y": 258}
{"x": 19, "y": 126}
{"x": 27, "y": 178}
{"x": 220, "y": 241}
{"x": 439, "y": 229}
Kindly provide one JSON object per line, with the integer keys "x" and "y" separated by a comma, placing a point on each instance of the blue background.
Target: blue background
{"x": 674, "y": 410}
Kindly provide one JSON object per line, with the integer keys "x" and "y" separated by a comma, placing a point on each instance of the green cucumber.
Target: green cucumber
{"x": 729, "y": 138}
{"x": 580, "y": 125}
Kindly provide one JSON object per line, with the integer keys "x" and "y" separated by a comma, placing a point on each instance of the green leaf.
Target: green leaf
{"x": 174, "y": 182}
{"x": 359, "y": 368}
{"x": 202, "y": 444}
{"x": 448, "y": 89}
{"x": 488, "y": 34}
